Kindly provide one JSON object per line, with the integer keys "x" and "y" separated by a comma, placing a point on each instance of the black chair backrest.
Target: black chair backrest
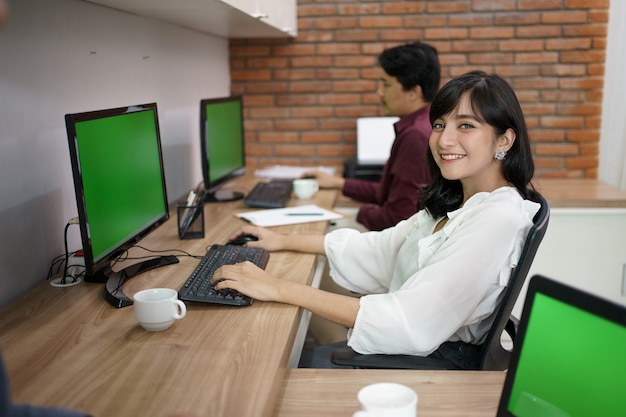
{"x": 493, "y": 355}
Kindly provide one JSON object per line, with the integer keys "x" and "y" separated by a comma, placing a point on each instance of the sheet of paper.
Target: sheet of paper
{"x": 289, "y": 215}
{"x": 289, "y": 172}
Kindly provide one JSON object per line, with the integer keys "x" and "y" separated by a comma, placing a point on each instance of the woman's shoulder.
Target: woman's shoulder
{"x": 504, "y": 202}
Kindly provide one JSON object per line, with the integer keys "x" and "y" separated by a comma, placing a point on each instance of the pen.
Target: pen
{"x": 304, "y": 214}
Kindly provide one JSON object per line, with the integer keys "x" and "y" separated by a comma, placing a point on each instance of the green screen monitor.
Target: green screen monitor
{"x": 221, "y": 146}
{"x": 569, "y": 357}
{"x": 119, "y": 181}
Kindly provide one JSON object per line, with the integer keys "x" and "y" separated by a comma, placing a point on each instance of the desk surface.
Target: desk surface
{"x": 581, "y": 192}
{"x": 333, "y": 392}
{"x": 67, "y": 347}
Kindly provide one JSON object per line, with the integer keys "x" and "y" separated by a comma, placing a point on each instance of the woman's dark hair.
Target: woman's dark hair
{"x": 413, "y": 64}
{"x": 494, "y": 102}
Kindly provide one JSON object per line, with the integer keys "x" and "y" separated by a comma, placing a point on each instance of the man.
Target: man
{"x": 409, "y": 79}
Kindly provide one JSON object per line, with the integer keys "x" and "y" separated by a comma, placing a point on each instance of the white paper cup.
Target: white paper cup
{"x": 387, "y": 399}
{"x": 156, "y": 309}
{"x": 305, "y": 188}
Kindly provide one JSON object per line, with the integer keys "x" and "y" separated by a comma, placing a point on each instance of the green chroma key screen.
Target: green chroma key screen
{"x": 224, "y": 139}
{"x": 573, "y": 363}
{"x": 121, "y": 171}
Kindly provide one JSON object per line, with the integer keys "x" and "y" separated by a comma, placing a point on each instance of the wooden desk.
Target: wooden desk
{"x": 67, "y": 347}
{"x": 333, "y": 392}
{"x": 582, "y": 193}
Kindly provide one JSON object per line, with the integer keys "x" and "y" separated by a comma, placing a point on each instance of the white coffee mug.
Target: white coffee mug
{"x": 305, "y": 188}
{"x": 387, "y": 399}
{"x": 157, "y": 308}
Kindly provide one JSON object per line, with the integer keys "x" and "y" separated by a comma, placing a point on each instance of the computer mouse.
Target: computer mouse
{"x": 242, "y": 239}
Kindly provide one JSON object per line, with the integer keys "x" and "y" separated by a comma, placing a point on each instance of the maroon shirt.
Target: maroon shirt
{"x": 395, "y": 197}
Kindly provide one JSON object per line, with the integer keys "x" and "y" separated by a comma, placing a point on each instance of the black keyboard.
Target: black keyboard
{"x": 199, "y": 288}
{"x": 273, "y": 194}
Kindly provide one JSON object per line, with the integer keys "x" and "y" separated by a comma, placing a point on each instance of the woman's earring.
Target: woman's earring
{"x": 500, "y": 155}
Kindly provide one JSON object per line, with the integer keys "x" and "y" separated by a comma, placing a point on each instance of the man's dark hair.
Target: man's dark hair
{"x": 413, "y": 64}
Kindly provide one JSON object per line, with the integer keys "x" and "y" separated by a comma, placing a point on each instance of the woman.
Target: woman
{"x": 437, "y": 276}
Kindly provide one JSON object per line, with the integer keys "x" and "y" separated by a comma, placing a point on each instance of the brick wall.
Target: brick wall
{"x": 302, "y": 96}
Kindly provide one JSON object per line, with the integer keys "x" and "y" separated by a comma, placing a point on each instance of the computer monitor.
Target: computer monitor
{"x": 221, "y": 146}
{"x": 119, "y": 182}
{"x": 568, "y": 358}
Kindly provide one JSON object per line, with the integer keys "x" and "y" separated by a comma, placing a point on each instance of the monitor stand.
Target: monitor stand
{"x": 113, "y": 292}
{"x": 222, "y": 196}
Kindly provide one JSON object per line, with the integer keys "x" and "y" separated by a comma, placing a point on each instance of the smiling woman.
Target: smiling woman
{"x": 434, "y": 279}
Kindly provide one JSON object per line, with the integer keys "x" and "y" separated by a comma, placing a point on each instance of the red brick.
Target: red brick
{"x": 583, "y": 56}
{"x": 564, "y": 44}
{"x": 538, "y": 31}
{"x": 581, "y": 162}
{"x": 412, "y": 7}
{"x": 536, "y": 57}
{"x": 277, "y": 137}
{"x": 584, "y": 4}
{"x": 562, "y": 122}
{"x": 584, "y": 135}
{"x": 336, "y": 23}
{"x": 562, "y": 17}
{"x": 557, "y": 149}
{"x": 320, "y": 137}
{"x": 445, "y": 33}
{"x": 316, "y": 10}
{"x": 295, "y": 124}
{"x": 425, "y": 21}
{"x": 312, "y": 88}
{"x": 447, "y": 7}
{"x": 359, "y": 9}
{"x": 581, "y": 109}
{"x": 491, "y": 33}
{"x": 540, "y": 4}
{"x": 294, "y": 150}
{"x": 491, "y": 5}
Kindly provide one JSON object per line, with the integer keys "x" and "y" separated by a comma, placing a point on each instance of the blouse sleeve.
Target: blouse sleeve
{"x": 457, "y": 282}
{"x": 364, "y": 262}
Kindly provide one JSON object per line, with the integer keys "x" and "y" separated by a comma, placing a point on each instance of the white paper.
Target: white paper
{"x": 289, "y": 215}
{"x": 374, "y": 137}
{"x": 290, "y": 172}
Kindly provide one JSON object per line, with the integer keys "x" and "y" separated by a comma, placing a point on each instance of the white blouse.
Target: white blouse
{"x": 426, "y": 288}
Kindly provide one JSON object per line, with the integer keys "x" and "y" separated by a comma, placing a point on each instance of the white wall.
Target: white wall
{"x": 612, "y": 167}
{"x": 66, "y": 56}
{"x": 585, "y": 248}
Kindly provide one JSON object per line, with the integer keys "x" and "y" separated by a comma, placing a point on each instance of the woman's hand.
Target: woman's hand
{"x": 273, "y": 241}
{"x": 267, "y": 239}
{"x": 248, "y": 279}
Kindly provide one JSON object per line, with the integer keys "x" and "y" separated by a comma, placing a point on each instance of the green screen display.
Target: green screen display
{"x": 224, "y": 138}
{"x": 572, "y": 363}
{"x": 122, "y": 178}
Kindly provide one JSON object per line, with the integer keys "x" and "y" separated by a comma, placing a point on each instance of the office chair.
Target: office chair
{"x": 491, "y": 354}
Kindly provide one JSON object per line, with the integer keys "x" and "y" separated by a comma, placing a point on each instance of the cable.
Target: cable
{"x": 67, "y": 254}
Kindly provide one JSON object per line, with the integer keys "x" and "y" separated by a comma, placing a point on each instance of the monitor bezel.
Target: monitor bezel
{"x": 211, "y": 187}
{"x": 96, "y": 270}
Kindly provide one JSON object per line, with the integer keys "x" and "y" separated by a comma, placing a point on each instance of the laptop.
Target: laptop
{"x": 569, "y": 357}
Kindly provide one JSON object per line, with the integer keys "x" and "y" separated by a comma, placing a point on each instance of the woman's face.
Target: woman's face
{"x": 464, "y": 149}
